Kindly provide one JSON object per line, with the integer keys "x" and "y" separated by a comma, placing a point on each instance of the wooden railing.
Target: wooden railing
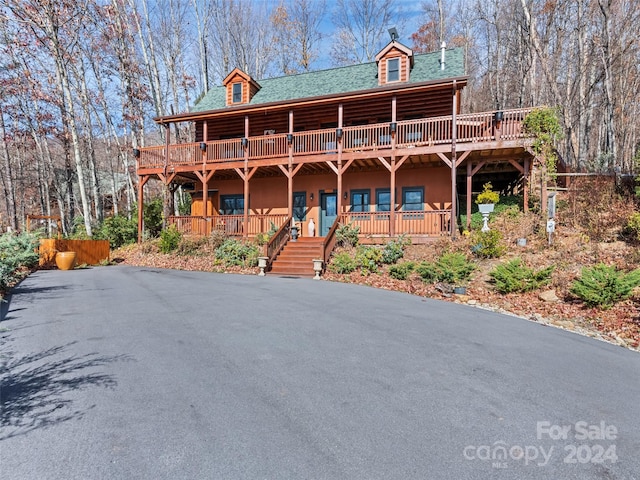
{"x": 232, "y": 225}
{"x": 278, "y": 241}
{"x": 188, "y": 225}
{"x": 366, "y": 137}
{"x": 329, "y": 242}
{"x": 263, "y": 223}
{"x": 370, "y": 223}
{"x": 427, "y": 222}
{"x": 475, "y": 127}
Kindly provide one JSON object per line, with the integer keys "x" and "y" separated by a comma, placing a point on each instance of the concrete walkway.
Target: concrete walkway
{"x": 136, "y": 373}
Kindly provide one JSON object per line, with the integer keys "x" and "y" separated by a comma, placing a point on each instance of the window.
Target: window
{"x": 413, "y": 200}
{"x": 237, "y": 93}
{"x": 359, "y": 200}
{"x": 393, "y": 70}
{"x": 231, "y": 204}
{"x": 383, "y": 200}
{"x": 299, "y": 206}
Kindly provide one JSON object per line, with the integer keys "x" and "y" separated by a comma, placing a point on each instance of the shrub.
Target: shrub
{"x": 343, "y": 262}
{"x": 16, "y": 252}
{"x": 347, "y": 235}
{"x": 515, "y": 276}
{"x": 190, "y": 246}
{"x": 604, "y": 285}
{"x": 169, "y": 239}
{"x": 402, "y": 270}
{"x": 236, "y": 252}
{"x": 368, "y": 259}
{"x": 451, "y": 267}
{"x": 394, "y": 249}
{"x": 487, "y": 244}
{"x": 119, "y": 230}
{"x": 153, "y": 212}
{"x": 262, "y": 238}
{"x": 217, "y": 238}
{"x": 631, "y": 230}
{"x": 488, "y": 195}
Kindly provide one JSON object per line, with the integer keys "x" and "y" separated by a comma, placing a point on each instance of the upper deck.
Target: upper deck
{"x": 487, "y": 134}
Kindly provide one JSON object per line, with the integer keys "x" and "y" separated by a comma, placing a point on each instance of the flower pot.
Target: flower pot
{"x": 485, "y": 208}
{"x": 262, "y": 264}
{"x": 65, "y": 260}
{"x": 317, "y": 267}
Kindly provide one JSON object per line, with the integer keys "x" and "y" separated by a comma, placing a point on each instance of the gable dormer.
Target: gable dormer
{"x": 240, "y": 88}
{"x": 395, "y": 62}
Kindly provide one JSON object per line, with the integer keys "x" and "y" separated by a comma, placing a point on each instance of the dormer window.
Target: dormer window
{"x": 395, "y": 62}
{"x": 240, "y": 88}
{"x": 393, "y": 70}
{"x": 237, "y": 93}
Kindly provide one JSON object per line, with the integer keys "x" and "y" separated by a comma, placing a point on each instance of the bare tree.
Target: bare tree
{"x": 361, "y": 29}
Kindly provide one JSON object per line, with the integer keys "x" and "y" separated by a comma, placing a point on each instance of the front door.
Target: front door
{"x": 328, "y": 212}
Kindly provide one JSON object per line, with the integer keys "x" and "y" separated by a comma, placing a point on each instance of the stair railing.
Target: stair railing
{"x": 278, "y": 241}
{"x": 329, "y": 242}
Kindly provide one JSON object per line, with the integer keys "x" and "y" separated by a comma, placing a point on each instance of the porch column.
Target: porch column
{"x": 289, "y": 172}
{"x": 141, "y": 182}
{"x": 339, "y": 186}
{"x": 469, "y": 193}
{"x": 205, "y": 195}
{"x": 392, "y": 207}
{"x": 245, "y": 230}
{"x": 454, "y": 134}
{"x": 525, "y": 185}
{"x": 165, "y": 193}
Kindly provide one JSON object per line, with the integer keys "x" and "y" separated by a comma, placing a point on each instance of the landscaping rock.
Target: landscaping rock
{"x": 548, "y": 296}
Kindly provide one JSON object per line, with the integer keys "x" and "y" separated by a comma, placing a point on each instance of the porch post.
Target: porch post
{"x": 205, "y": 182}
{"x": 141, "y": 182}
{"x": 454, "y": 134}
{"x": 205, "y": 195}
{"x": 290, "y": 170}
{"x": 245, "y": 230}
{"x": 525, "y": 186}
{"x": 290, "y": 191}
{"x": 392, "y": 193}
{"x": 469, "y": 193}
{"x": 165, "y": 187}
{"x": 339, "y": 194}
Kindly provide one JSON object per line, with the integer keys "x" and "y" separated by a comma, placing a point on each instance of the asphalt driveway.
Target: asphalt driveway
{"x": 136, "y": 373}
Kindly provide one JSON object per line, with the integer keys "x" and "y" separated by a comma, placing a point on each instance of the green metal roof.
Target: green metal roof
{"x": 337, "y": 81}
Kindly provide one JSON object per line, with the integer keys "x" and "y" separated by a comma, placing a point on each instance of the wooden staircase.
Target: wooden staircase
{"x": 296, "y": 258}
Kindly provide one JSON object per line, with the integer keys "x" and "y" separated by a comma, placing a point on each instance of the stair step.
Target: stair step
{"x": 296, "y": 258}
{"x": 299, "y": 272}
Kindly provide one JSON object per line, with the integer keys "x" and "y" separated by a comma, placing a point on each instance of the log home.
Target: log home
{"x": 380, "y": 145}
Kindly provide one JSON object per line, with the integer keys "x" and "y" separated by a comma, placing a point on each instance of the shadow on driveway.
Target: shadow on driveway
{"x": 34, "y": 389}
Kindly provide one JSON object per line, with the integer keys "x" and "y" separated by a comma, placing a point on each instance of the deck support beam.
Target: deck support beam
{"x": 471, "y": 171}
{"x": 141, "y": 182}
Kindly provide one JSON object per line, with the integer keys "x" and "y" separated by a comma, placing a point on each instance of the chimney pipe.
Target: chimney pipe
{"x": 443, "y": 47}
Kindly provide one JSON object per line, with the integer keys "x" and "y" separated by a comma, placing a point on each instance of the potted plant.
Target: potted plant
{"x": 486, "y": 201}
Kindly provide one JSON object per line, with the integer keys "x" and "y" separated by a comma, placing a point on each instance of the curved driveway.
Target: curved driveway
{"x": 134, "y": 373}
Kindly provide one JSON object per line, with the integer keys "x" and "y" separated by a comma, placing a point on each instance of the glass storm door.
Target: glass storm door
{"x": 328, "y": 212}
